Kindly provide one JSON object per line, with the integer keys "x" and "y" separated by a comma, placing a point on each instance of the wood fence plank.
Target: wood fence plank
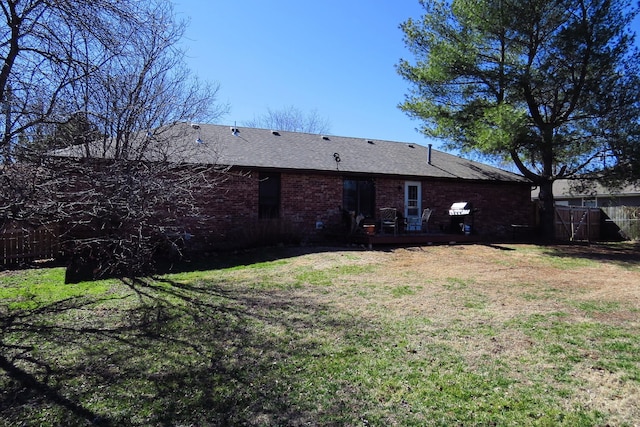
{"x": 576, "y": 223}
{"x": 26, "y": 244}
{"x": 625, "y": 218}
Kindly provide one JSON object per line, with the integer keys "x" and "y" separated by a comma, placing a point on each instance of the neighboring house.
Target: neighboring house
{"x": 618, "y": 213}
{"x": 312, "y": 185}
{"x": 592, "y": 194}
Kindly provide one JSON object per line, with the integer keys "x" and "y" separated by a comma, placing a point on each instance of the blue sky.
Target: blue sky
{"x": 336, "y": 57}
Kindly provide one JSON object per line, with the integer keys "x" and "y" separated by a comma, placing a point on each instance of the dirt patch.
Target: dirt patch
{"x": 609, "y": 393}
{"x": 512, "y": 277}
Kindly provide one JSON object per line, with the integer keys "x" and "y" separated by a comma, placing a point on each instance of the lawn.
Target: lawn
{"x": 462, "y": 335}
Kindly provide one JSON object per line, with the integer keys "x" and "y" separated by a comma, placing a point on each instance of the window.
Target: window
{"x": 358, "y": 196}
{"x": 269, "y": 196}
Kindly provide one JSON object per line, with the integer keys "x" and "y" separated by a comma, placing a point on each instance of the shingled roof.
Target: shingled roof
{"x": 268, "y": 149}
{"x": 578, "y": 188}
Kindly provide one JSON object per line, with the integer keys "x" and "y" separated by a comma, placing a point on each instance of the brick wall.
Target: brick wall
{"x": 224, "y": 211}
{"x": 309, "y": 199}
{"x": 230, "y": 214}
{"x": 498, "y": 205}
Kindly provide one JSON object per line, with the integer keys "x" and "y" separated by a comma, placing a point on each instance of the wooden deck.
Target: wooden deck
{"x": 410, "y": 239}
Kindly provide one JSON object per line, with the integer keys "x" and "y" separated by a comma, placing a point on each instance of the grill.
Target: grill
{"x": 460, "y": 209}
{"x": 461, "y": 214}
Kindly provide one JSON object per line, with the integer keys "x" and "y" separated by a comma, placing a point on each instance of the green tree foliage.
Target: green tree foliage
{"x": 552, "y": 85}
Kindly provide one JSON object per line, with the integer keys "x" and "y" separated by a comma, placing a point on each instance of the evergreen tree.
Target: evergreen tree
{"x": 551, "y": 85}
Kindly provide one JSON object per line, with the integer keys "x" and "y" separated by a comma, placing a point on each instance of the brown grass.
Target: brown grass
{"x": 488, "y": 286}
{"x": 432, "y": 335}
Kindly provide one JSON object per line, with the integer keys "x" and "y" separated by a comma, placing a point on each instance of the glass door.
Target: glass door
{"x": 412, "y": 205}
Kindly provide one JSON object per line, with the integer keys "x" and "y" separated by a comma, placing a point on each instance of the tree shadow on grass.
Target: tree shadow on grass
{"x": 32, "y": 379}
{"x": 160, "y": 352}
{"x": 626, "y": 254}
{"x": 208, "y": 261}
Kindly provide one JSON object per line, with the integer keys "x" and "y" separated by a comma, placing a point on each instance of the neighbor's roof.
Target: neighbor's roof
{"x": 263, "y": 148}
{"x": 577, "y": 188}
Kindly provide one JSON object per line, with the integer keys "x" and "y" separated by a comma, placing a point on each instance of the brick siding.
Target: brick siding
{"x": 498, "y": 204}
{"x": 230, "y": 214}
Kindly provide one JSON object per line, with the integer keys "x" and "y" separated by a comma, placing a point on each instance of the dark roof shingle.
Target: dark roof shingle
{"x": 263, "y": 148}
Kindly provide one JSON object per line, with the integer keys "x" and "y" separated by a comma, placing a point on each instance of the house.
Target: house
{"x": 592, "y": 194}
{"x": 311, "y": 187}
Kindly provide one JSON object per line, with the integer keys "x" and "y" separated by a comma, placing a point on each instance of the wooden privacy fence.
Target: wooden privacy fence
{"x": 20, "y": 245}
{"x": 577, "y": 223}
{"x": 625, "y": 221}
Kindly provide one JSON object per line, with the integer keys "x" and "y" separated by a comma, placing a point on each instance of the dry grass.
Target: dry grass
{"x": 435, "y": 335}
{"x": 485, "y": 287}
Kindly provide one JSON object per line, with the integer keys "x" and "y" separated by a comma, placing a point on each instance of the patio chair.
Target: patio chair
{"x": 413, "y": 224}
{"x": 426, "y": 214}
{"x": 389, "y": 219}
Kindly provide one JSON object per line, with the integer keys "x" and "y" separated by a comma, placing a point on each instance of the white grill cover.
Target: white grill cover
{"x": 460, "y": 208}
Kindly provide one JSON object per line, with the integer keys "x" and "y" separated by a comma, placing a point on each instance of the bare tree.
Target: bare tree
{"x": 145, "y": 88}
{"x": 47, "y": 46}
{"x": 291, "y": 119}
{"x": 123, "y": 189}
{"x": 134, "y": 193}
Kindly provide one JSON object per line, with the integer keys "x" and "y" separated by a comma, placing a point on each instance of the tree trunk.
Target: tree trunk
{"x": 547, "y": 210}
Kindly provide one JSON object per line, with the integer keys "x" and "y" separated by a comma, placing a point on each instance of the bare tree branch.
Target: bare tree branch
{"x": 90, "y": 124}
{"x": 291, "y": 119}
